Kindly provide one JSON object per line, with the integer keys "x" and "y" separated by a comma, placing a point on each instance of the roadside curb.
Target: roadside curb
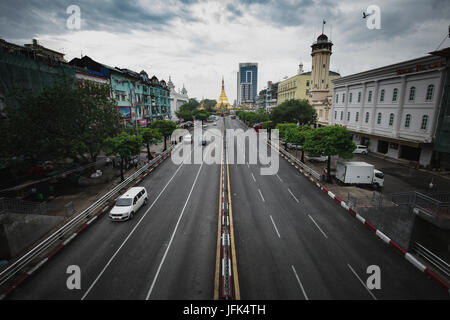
{"x": 80, "y": 229}
{"x": 377, "y": 232}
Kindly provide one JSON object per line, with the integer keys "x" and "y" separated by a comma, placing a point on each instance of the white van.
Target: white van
{"x": 128, "y": 204}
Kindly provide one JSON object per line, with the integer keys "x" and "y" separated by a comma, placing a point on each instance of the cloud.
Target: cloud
{"x": 198, "y": 41}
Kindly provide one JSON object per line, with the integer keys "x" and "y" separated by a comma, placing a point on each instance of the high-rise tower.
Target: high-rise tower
{"x": 247, "y": 84}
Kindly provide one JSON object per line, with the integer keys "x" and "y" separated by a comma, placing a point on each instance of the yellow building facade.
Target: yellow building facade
{"x": 299, "y": 86}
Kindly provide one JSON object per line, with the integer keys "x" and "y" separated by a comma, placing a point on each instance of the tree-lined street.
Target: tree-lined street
{"x": 292, "y": 242}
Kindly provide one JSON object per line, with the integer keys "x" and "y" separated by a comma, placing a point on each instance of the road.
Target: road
{"x": 292, "y": 242}
{"x": 166, "y": 252}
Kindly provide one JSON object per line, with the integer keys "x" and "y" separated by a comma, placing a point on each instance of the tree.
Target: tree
{"x": 185, "y": 115}
{"x": 124, "y": 145}
{"x": 150, "y": 136}
{"x": 330, "y": 141}
{"x": 297, "y": 135}
{"x": 269, "y": 125}
{"x": 298, "y": 111}
{"x": 190, "y": 105}
{"x": 282, "y": 128}
{"x": 210, "y": 104}
{"x": 200, "y": 114}
{"x": 65, "y": 120}
{"x": 293, "y": 135}
{"x": 165, "y": 127}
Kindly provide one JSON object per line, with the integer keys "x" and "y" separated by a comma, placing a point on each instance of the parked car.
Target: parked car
{"x": 361, "y": 149}
{"x": 294, "y": 146}
{"x": 320, "y": 158}
{"x": 128, "y": 204}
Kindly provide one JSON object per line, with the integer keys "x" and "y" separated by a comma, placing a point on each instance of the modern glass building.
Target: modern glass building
{"x": 247, "y": 83}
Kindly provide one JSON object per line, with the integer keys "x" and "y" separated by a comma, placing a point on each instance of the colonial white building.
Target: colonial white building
{"x": 393, "y": 109}
{"x": 177, "y": 99}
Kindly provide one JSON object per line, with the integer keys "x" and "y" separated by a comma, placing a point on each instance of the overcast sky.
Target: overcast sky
{"x": 196, "y": 42}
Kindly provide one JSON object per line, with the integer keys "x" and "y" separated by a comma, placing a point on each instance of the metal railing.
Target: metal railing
{"x": 432, "y": 258}
{"x": 304, "y": 167}
{"x": 45, "y": 244}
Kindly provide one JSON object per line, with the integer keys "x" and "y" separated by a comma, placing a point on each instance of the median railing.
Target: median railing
{"x": 304, "y": 167}
{"x": 59, "y": 234}
{"x": 432, "y": 258}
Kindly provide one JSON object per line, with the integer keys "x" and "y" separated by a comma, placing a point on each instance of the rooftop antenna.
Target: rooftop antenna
{"x": 331, "y": 31}
{"x": 323, "y": 25}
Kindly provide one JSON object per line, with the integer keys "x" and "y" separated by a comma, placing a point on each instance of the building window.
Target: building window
{"x": 324, "y": 65}
{"x": 407, "y": 120}
{"x": 412, "y": 93}
{"x": 350, "y": 97}
{"x": 367, "y": 117}
{"x": 394, "y": 95}
{"x": 369, "y": 98}
{"x": 357, "y": 117}
{"x": 382, "y": 95}
{"x": 359, "y": 96}
{"x": 335, "y": 115}
{"x": 343, "y": 97}
{"x": 342, "y": 115}
{"x": 424, "y": 122}
{"x": 307, "y": 83}
{"x": 337, "y": 98}
{"x": 379, "y": 118}
{"x": 391, "y": 119}
{"x": 430, "y": 91}
{"x": 348, "y": 116}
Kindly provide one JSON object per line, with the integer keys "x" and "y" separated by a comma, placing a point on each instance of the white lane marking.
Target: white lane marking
{"x": 374, "y": 298}
{"x": 318, "y": 227}
{"x": 173, "y": 233}
{"x": 248, "y": 165}
{"x": 132, "y": 231}
{"x": 261, "y": 195}
{"x": 279, "y": 178}
{"x": 275, "y": 226}
{"x": 299, "y": 282}
{"x": 293, "y": 195}
{"x": 253, "y": 177}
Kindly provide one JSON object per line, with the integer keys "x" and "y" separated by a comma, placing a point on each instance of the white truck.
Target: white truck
{"x": 356, "y": 172}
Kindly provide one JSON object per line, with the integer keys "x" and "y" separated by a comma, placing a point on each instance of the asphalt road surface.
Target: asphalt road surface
{"x": 292, "y": 242}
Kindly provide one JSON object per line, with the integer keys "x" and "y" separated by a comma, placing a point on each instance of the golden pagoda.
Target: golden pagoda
{"x": 202, "y": 105}
{"x": 223, "y": 105}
